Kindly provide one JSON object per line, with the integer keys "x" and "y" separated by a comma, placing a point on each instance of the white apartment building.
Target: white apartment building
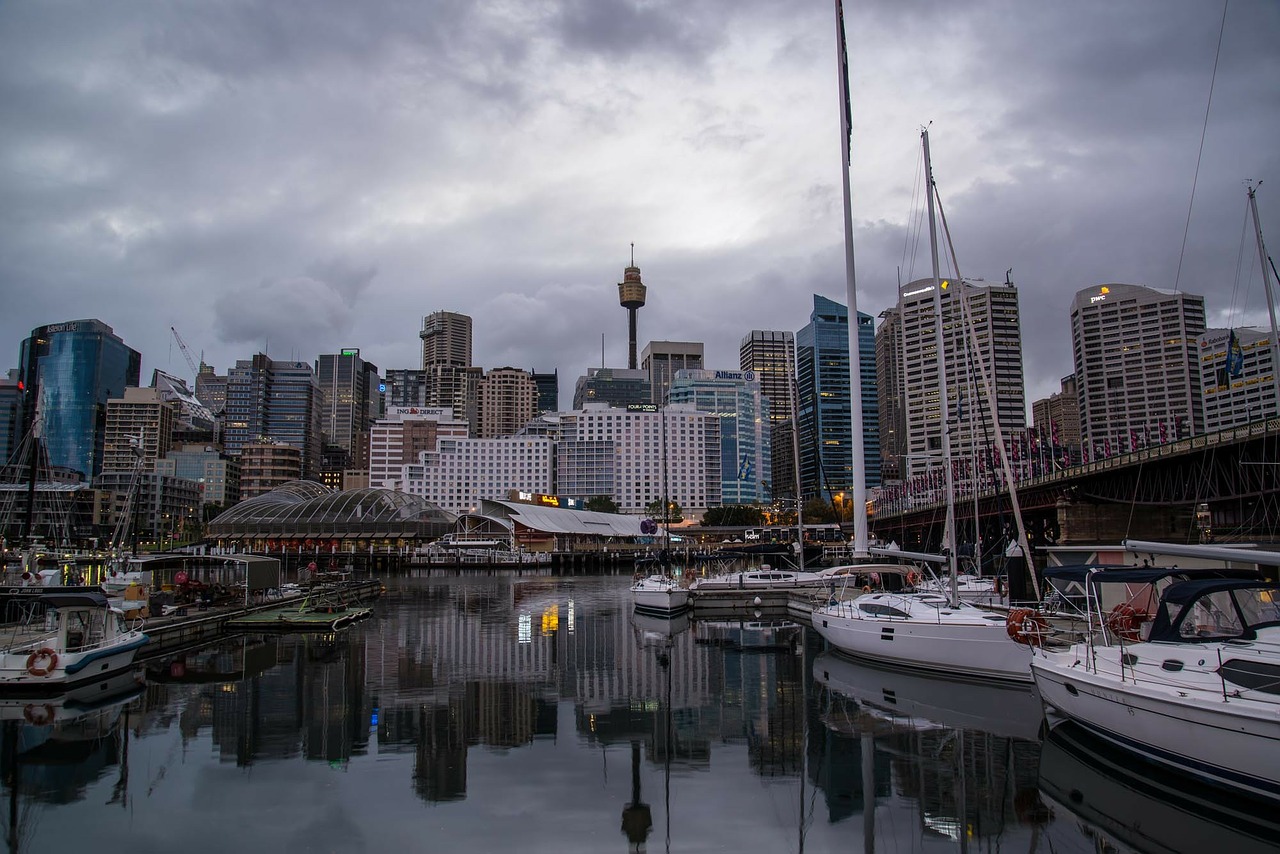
{"x": 1137, "y": 365}
{"x": 461, "y": 471}
{"x": 635, "y": 456}
{"x": 406, "y": 432}
{"x": 1232, "y": 401}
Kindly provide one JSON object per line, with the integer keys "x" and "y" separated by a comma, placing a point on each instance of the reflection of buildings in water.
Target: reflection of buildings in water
{"x": 290, "y": 695}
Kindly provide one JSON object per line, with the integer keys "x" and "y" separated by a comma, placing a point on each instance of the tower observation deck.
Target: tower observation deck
{"x": 631, "y": 294}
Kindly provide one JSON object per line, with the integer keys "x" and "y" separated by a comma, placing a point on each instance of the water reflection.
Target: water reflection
{"x": 538, "y": 713}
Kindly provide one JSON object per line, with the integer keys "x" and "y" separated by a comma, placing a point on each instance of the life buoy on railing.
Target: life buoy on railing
{"x": 1125, "y": 621}
{"x": 42, "y": 662}
{"x": 38, "y": 715}
{"x": 913, "y": 578}
{"x": 866, "y": 588}
{"x": 1027, "y": 626}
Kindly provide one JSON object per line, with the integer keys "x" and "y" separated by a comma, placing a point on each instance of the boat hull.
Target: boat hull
{"x": 1228, "y": 741}
{"x": 670, "y": 600}
{"x": 72, "y": 668}
{"x": 976, "y": 649}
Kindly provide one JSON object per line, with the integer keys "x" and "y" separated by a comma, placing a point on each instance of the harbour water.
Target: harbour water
{"x": 494, "y": 712}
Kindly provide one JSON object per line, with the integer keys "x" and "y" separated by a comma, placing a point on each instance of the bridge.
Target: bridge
{"x": 1223, "y": 487}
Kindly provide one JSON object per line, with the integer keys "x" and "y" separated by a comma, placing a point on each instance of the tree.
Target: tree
{"x": 745, "y": 515}
{"x": 817, "y": 511}
{"x": 600, "y": 504}
{"x": 673, "y": 514}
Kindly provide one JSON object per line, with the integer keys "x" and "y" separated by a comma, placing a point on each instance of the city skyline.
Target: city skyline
{"x": 298, "y": 186}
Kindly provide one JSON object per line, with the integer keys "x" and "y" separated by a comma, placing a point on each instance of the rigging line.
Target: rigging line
{"x": 1199, "y": 154}
{"x": 1238, "y": 306}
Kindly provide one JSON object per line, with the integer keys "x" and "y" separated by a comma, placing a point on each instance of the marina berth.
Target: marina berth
{"x": 1183, "y": 671}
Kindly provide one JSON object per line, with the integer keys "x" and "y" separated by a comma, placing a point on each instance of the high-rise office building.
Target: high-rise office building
{"x": 548, "y": 391}
{"x": 407, "y": 387}
{"x": 217, "y": 474}
{"x": 663, "y": 358}
{"x": 770, "y": 355}
{"x": 399, "y": 440}
{"x": 614, "y": 387}
{"x": 268, "y": 465}
{"x": 825, "y": 430}
{"x": 987, "y": 313}
{"x": 890, "y": 392}
{"x": 277, "y": 401}
{"x": 1137, "y": 364}
{"x": 1057, "y": 417}
{"x": 70, "y": 371}
{"x": 194, "y": 423}
{"x": 446, "y": 339}
{"x": 351, "y": 398}
{"x": 745, "y": 452}
{"x": 1240, "y": 391}
{"x": 508, "y": 401}
{"x": 10, "y": 416}
{"x": 140, "y": 423}
{"x": 211, "y": 390}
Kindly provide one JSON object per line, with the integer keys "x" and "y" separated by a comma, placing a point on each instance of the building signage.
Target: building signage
{"x": 437, "y": 412}
{"x": 351, "y": 352}
{"x": 917, "y": 292}
{"x": 61, "y": 327}
{"x": 1102, "y": 295}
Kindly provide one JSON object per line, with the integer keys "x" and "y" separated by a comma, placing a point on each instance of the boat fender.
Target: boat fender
{"x": 42, "y": 662}
{"x": 38, "y": 715}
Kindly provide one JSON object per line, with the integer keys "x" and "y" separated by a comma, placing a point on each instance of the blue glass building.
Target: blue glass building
{"x": 70, "y": 371}
{"x": 746, "y": 461}
{"x": 826, "y": 432}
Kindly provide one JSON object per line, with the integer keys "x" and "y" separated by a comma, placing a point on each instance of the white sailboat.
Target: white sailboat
{"x": 928, "y": 630}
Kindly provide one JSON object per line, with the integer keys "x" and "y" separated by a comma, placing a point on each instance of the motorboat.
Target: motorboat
{"x": 659, "y": 594}
{"x": 764, "y": 578}
{"x": 975, "y": 589}
{"x": 924, "y": 631}
{"x": 1183, "y": 669}
{"x": 54, "y": 638}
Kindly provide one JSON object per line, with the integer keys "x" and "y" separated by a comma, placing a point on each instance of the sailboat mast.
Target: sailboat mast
{"x": 944, "y": 416}
{"x": 857, "y": 451}
{"x": 1266, "y": 286}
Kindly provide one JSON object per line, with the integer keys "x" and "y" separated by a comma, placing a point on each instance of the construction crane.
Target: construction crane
{"x": 186, "y": 354}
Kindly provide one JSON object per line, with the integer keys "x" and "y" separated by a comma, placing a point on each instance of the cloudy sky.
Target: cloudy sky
{"x": 302, "y": 177}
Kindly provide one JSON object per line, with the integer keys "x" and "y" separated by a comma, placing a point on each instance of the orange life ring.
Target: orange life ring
{"x": 1026, "y": 626}
{"x": 866, "y": 588}
{"x": 42, "y": 662}
{"x": 1125, "y": 621}
{"x": 913, "y": 578}
{"x": 38, "y": 715}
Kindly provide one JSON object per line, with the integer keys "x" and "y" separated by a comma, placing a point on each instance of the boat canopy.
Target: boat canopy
{"x": 1098, "y": 573}
{"x": 1215, "y": 609}
{"x": 63, "y": 599}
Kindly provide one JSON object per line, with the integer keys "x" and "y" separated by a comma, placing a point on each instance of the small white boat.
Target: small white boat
{"x": 764, "y": 578}
{"x": 975, "y": 589}
{"x": 55, "y": 638}
{"x": 1185, "y": 674}
{"x": 924, "y": 631}
{"x": 659, "y": 594}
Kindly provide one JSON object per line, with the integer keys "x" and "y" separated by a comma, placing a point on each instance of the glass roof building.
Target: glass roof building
{"x": 306, "y": 510}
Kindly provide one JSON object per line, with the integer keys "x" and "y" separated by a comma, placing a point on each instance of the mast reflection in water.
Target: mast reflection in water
{"x": 498, "y": 712}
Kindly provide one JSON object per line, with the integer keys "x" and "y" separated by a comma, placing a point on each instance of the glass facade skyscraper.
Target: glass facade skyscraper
{"x": 735, "y": 398}
{"x": 824, "y": 411}
{"x": 70, "y": 370}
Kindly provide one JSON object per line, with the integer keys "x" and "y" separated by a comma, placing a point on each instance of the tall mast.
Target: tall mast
{"x": 1266, "y": 286}
{"x": 944, "y": 416}
{"x": 857, "y": 451}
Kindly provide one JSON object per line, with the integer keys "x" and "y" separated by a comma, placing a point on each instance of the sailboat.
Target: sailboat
{"x": 928, "y": 630}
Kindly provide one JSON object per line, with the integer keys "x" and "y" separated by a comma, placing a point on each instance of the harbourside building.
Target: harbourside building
{"x": 1237, "y": 377}
{"x": 1057, "y": 417}
{"x": 1137, "y": 365}
{"x": 613, "y": 387}
{"x": 989, "y": 314}
{"x": 745, "y": 452}
{"x": 267, "y": 465}
{"x": 640, "y": 455}
{"x": 823, "y": 395}
{"x": 770, "y": 355}
{"x": 69, "y": 371}
{"x": 164, "y": 509}
{"x": 460, "y": 471}
{"x": 662, "y": 359}
{"x": 403, "y": 436}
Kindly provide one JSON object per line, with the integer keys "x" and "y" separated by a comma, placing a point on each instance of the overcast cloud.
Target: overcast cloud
{"x": 303, "y": 177}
